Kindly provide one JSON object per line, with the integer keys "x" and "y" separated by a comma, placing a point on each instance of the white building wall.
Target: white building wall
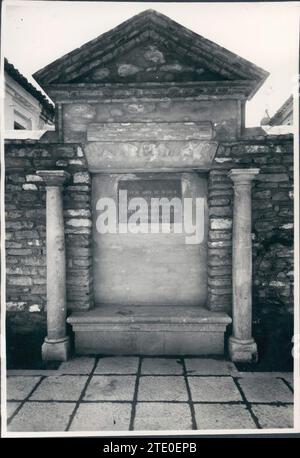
{"x": 22, "y": 107}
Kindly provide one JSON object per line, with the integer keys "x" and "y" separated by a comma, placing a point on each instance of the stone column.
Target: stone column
{"x": 241, "y": 344}
{"x": 56, "y": 344}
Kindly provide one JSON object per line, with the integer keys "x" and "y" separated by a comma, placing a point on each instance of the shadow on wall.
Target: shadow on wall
{"x": 273, "y": 320}
{"x": 25, "y": 333}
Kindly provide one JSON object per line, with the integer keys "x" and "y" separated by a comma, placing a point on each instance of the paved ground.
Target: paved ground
{"x": 131, "y": 393}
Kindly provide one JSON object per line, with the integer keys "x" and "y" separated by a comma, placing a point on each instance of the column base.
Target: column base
{"x": 56, "y": 349}
{"x": 242, "y": 351}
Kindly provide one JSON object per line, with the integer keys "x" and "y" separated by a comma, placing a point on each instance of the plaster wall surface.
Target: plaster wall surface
{"x": 149, "y": 269}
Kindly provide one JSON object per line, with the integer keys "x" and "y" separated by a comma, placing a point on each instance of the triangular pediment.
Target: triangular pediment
{"x": 149, "y": 47}
{"x": 148, "y": 61}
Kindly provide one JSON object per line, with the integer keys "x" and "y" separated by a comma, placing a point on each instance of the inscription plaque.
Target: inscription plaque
{"x": 151, "y": 189}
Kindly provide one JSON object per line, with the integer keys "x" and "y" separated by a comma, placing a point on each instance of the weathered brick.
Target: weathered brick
{"x": 20, "y": 281}
{"x": 220, "y": 223}
{"x": 78, "y": 212}
{"x": 220, "y": 211}
{"x": 80, "y": 222}
{"x": 220, "y": 235}
{"x": 273, "y": 177}
{"x": 219, "y": 281}
{"x": 82, "y": 177}
{"x": 220, "y": 244}
{"x": 34, "y": 178}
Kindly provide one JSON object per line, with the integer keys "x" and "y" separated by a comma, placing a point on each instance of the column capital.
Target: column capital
{"x": 243, "y": 176}
{"x": 53, "y": 177}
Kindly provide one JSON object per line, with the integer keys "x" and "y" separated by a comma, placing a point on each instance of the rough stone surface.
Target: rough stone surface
{"x": 42, "y": 416}
{"x": 117, "y": 365}
{"x": 220, "y": 416}
{"x": 168, "y": 388}
{"x": 218, "y": 389}
{"x": 11, "y": 407}
{"x": 162, "y": 416}
{"x": 102, "y": 417}
{"x": 60, "y": 388}
{"x": 265, "y": 389}
{"x": 274, "y": 416}
{"x": 289, "y": 377}
{"x": 161, "y": 366}
{"x": 26, "y": 225}
{"x": 19, "y": 387}
{"x": 110, "y": 388}
{"x": 80, "y": 365}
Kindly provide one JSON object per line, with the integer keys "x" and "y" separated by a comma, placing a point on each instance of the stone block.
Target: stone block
{"x": 117, "y": 365}
{"x": 79, "y": 212}
{"x": 220, "y": 235}
{"x": 217, "y": 389}
{"x": 167, "y": 388}
{"x": 42, "y": 416}
{"x": 29, "y": 187}
{"x": 220, "y": 211}
{"x": 106, "y": 416}
{"x": 272, "y": 177}
{"x": 220, "y": 223}
{"x": 110, "y": 388}
{"x": 209, "y": 366}
{"x": 19, "y": 281}
{"x": 12, "y": 306}
{"x": 19, "y": 387}
{"x": 82, "y": 177}
{"x": 273, "y": 417}
{"x": 220, "y": 416}
{"x": 11, "y": 407}
{"x": 220, "y": 244}
{"x": 80, "y": 222}
{"x": 162, "y": 417}
{"x": 160, "y": 366}
{"x": 60, "y": 388}
{"x": 80, "y": 365}
{"x": 265, "y": 389}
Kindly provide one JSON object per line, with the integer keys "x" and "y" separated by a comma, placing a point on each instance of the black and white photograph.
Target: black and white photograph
{"x": 149, "y": 218}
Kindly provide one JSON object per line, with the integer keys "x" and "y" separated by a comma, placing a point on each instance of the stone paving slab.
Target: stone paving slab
{"x": 209, "y": 366}
{"x": 223, "y": 416}
{"x": 162, "y": 416}
{"x": 11, "y": 407}
{"x": 156, "y": 388}
{"x": 102, "y": 416}
{"x": 111, "y": 388}
{"x": 162, "y": 366}
{"x": 80, "y": 365}
{"x": 215, "y": 389}
{"x": 162, "y": 397}
{"x": 42, "y": 416}
{"x": 274, "y": 416}
{"x": 117, "y": 365}
{"x": 289, "y": 377}
{"x": 60, "y": 388}
{"x": 19, "y": 387}
{"x": 265, "y": 389}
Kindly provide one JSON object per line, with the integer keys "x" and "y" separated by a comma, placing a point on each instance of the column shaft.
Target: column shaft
{"x": 242, "y": 263}
{"x": 56, "y": 344}
{"x": 241, "y": 344}
{"x": 56, "y": 265}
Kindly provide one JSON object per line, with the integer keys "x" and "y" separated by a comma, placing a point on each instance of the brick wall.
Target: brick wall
{"x": 26, "y": 225}
{"x": 272, "y": 230}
